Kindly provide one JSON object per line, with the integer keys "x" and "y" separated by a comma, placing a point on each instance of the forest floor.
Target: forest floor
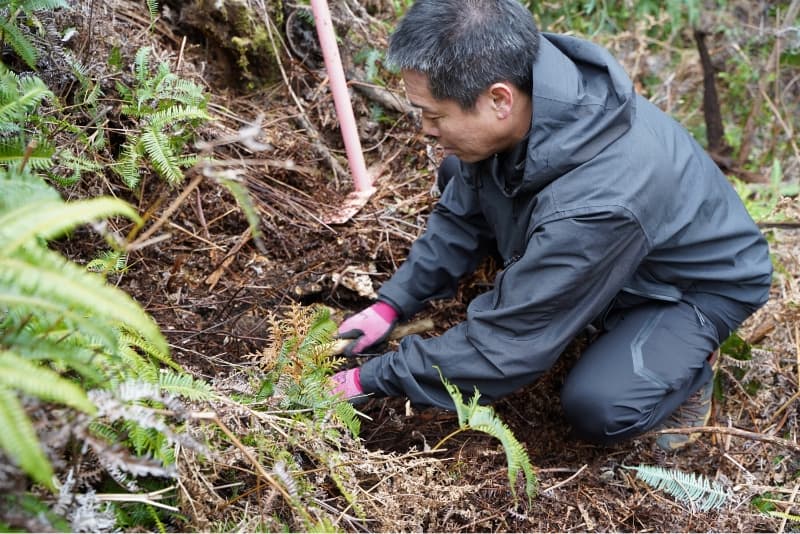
{"x": 212, "y": 289}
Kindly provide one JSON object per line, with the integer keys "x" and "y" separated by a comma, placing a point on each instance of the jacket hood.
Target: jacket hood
{"x": 582, "y": 102}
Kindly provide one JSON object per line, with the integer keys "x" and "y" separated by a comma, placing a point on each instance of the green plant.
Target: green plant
{"x": 55, "y": 317}
{"x": 473, "y": 416}
{"x": 763, "y": 200}
{"x": 697, "y": 491}
{"x": 166, "y": 110}
{"x": 11, "y": 34}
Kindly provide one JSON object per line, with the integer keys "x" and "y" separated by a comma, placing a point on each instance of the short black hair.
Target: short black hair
{"x": 464, "y": 46}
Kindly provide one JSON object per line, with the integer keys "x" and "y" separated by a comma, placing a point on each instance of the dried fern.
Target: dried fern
{"x": 697, "y": 491}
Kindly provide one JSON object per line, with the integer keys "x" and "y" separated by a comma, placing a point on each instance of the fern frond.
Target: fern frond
{"x": 483, "y": 418}
{"x": 158, "y": 150}
{"x": 41, "y": 382}
{"x": 45, "y": 273}
{"x": 134, "y": 340}
{"x": 13, "y": 149}
{"x": 73, "y": 318}
{"x": 695, "y": 490}
{"x": 245, "y": 202}
{"x": 42, "y": 5}
{"x": 21, "y": 45}
{"x": 152, "y": 8}
{"x": 19, "y": 188}
{"x": 186, "y": 386}
{"x": 189, "y": 93}
{"x": 48, "y": 220}
{"x": 109, "y": 261}
{"x": 160, "y": 120}
{"x": 19, "y": 440}
{"x": 141, "y": 65}
{"x": 128, "y": 165}
{"x": 77, "y": 165}
{"x": 348, "y": 416}
{"x": 21, "y": 96}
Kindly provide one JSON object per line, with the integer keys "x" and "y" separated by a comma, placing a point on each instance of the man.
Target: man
{"x": 604, "y": 210}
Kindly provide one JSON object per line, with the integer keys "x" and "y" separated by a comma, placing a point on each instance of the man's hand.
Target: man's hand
{"x": 368, "y": 327}
{"x": 347, "y": 383}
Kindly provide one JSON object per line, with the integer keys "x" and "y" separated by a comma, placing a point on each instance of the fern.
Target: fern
{"x": 109, "y": 261}
{"x": 21, "y": 44}
{"x": 14, "y": 150}
{"x": 38, "y": 381}
{"x": 157, "y": 148}
{"x": 19, "y": 96}
{"x": 18, "y": 439}
{"x": 48, "y": 220}
{"x": 186, "y": 386}
{"x": 473, "y": 416}
{"x": 152, "y": 9}
{"x": 695, "y": 490}
{"x": 166, "y": 109}
{"x": 148, "y": 347}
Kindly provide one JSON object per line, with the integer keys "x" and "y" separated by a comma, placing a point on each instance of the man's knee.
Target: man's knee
{"x": 595, "y": 414}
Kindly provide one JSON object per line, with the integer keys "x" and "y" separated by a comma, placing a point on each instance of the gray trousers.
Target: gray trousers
{"x": 649, "y": 358}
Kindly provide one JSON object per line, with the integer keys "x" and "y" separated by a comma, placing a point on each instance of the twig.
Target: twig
{"x": 733, "y": 432}
{"x": 566, "y": 480}
{"x": 168, "y": 212}
{"x": 213, "y": 417}
{"x": 144, "y": 498}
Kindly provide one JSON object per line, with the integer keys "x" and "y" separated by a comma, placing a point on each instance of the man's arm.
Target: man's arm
{"x": 455, "y": 240}
{"x": 570, "y": 271}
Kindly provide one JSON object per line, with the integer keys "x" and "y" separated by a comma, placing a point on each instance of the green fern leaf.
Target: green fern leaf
{"x": 160, "y": 120}
{"x": 13, "y": 150}
{"x": 41, "y": 382}
{"x": 44, "y": 273}
{"x": 48, "y": 220}
{"x": 696, "y": 490}
{"x": 131, "y": 339}
{"x": 156, "y": 146}
{"x": 186, "y": 386}
{"x": 482, "y": 418}
{"x": 42, "y": 5}
{"x": 348, "y": 416}
{"x": 19, "y": 97}
{"x": 19, "y": 188}
{"x": 141, "y": 65}
{"x": 128, "y": 165}
{"x": 19, "y": 440}
{"x": 73, "y": 318}
{"x": 152, "y": 8}
{"x": 23, "y": 47}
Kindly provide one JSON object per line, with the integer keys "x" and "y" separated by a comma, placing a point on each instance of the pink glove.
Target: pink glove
{"x": 347, "y": 383}
{"x": 368, "y": 327}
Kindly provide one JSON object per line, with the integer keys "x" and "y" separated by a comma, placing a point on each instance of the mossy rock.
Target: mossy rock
{"x": 235, "y": 36}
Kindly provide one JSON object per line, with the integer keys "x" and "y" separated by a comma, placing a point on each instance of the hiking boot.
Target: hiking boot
{"x": 695, "y": 411}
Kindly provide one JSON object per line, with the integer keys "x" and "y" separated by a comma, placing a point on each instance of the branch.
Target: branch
{"x": 746, "y": 434}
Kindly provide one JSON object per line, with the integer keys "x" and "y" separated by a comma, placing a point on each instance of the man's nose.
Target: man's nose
{"x": 429, "y": 129}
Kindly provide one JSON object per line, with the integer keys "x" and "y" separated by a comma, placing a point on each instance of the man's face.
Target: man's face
{"x": 471, "y": 135}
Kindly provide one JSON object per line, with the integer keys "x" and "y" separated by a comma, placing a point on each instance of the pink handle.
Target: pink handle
{"x": 341, "y": 98}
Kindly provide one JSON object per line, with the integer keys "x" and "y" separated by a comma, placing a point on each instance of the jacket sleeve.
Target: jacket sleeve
{"x": 455, "y": 240}
{"x": 570, "y": 271}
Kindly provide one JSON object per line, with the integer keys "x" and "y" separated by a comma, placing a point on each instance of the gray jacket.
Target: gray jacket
{"x": 607, "y": 194}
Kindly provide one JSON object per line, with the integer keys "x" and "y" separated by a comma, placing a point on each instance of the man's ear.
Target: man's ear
{"x": 502, "y": 99}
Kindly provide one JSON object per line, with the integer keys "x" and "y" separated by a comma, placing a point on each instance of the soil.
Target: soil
{"x": 211, "y": 287}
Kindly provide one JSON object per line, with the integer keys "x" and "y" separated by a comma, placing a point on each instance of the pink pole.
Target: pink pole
{"x": 341, "y": 97}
